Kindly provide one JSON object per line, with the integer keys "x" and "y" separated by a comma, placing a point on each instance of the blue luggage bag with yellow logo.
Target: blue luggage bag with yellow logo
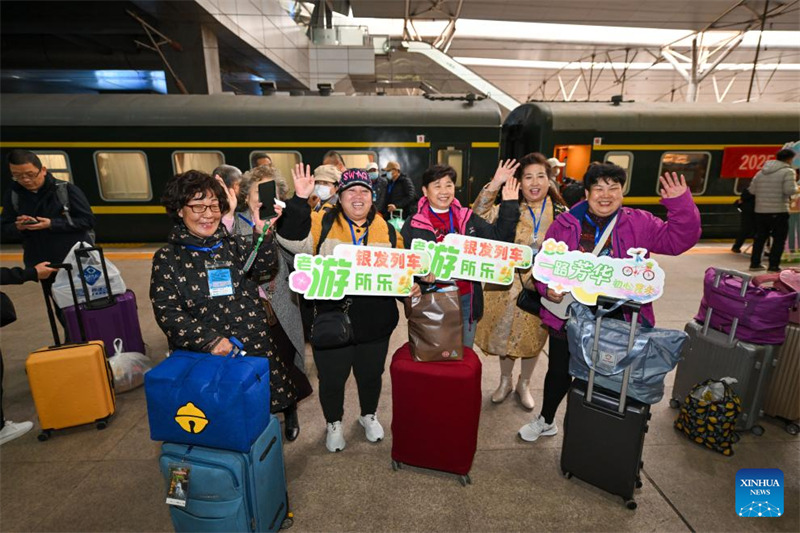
{"x": 208, "y": 400}
{"x": 230, "y": 491}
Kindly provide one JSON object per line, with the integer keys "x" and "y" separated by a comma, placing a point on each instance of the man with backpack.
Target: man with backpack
{"x": 48, "y": 215}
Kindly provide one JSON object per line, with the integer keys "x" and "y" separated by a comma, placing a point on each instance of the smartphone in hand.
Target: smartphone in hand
{"x": 31, "y": 222}
{"x": 266, "y": 195}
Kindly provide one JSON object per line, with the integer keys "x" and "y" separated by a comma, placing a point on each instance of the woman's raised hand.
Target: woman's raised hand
{"x": 303, "y": 180}
{"x": 232, "y": 200}
{"x": 505, "y": 170}
{"x": 672, "y": 186}
{"x": 511, "y": 190}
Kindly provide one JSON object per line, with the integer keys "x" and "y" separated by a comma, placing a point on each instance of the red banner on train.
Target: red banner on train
{"x": 746, "y": 161}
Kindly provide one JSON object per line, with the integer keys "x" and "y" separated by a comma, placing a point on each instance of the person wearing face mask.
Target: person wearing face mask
{"x": 201, "y": 292}
{"x": 439, "y": 213}
{"x": 353, "y": 220}
{"x": 326, "y": 180}
{"x": 379, "y": 184}
{"x": 281, "y": 303}
{"x": 400, "y": 192}
{"x": 582, "y": 228}
{"x": 506, "y": 330}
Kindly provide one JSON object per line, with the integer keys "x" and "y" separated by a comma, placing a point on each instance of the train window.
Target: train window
{"x": 358, "y": 159}
{"x": 203, "y": 161}
{"x": 283, "y": 161}
{"x": 57, "y": 163}
{"x": 454, "y": 158}
{"x": 624, "y": 160}
{"x": 123, "y": 176}
{"x": 693, "y": 165}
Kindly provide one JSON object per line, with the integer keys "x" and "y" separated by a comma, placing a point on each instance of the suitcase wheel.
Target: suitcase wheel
{"x": 638, "y": 483}
{"x": 102, "y": 424}
{"x": 396, "y": 465}
{"x": 792, "y": 429}
{"x": 566, "y": 474}
{"x": 631, "y": 504}
{"x": 757, "y": 430}
{"x": 287, "y": 522}
{"x": 674, "y": 403}
{"x": 465, "y": 480}
{"x": 44, "y": 435}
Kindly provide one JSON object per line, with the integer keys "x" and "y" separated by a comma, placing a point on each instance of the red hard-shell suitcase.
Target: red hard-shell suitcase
{"x": 108, "y": 318}
{"x": 436, "y": 408}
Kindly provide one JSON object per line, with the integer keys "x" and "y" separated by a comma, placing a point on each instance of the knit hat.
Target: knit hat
{"x": 352, "y": 177}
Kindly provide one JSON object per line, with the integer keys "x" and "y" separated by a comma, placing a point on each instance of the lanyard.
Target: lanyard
{"x": 207, "y": 249}
{"x": 450, "y": 213}
{"x": 538, "y": 222}
{"x": 389, "y": 187}
{"x": 358, "y": 241}
{"x": 249, "y": 222}
{"x": 597, "y": 231}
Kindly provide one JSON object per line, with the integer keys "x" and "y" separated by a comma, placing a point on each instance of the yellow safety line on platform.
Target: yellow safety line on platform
{"x": 632, "y": 147}
{"x": 150, "y": 144}
{"x": 486, "y": 145}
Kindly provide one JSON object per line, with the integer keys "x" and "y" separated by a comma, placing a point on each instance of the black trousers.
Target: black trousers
{"x": 2, "y": 413}
{"x": 775, "y": 225}
{"x": 333, "y": 367}
{"x": 557, "y": 380}
{"x": 747, "y": 225}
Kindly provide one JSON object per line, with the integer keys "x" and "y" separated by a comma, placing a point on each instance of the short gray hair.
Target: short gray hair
{"x": 252, "y": 178}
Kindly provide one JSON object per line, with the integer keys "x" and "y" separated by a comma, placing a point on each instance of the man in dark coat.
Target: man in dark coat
{"x": 400, "y": 192}
{"x": 36, "y": 212}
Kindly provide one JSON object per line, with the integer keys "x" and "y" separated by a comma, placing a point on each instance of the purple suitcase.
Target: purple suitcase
{"x": 106, "y": 319}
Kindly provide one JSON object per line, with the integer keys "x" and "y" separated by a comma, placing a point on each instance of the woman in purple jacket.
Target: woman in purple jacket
{"x": 581, "y": 228}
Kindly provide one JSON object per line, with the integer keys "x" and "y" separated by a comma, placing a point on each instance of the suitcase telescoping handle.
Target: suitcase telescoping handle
{"x": 606, "y": 305}
{"x": 48, "y": 297}
{"x": 719, "y": 272}
{"x": 99, "y": 303}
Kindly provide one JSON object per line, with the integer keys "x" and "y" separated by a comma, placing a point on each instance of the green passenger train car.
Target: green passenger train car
{"x": 121, "y": 149}
{"x": 650, "y": 138}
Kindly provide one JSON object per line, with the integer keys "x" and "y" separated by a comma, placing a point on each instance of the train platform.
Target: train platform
{"x": 88, "y": 480}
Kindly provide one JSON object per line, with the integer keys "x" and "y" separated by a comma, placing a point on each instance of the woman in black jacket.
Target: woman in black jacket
{"x": 204, "y": 284}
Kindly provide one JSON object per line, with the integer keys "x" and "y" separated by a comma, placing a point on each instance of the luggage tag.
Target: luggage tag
{"x": 606, "y": 361}
{"x": 178, "y": 490}
{"x": 220, "y": 282}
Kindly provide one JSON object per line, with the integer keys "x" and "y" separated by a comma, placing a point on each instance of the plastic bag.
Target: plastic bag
{"x": 396, "y": 219}
{"x": 128, "y": 368}
{"x": 93, "y": 273}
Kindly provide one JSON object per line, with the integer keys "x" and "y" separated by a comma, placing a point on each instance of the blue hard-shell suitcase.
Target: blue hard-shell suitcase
{"x": 231, "y": 491}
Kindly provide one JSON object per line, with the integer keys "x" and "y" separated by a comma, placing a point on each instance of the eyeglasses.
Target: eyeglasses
{"x": 26, "y": 176}
{"x": 200, "y": 208}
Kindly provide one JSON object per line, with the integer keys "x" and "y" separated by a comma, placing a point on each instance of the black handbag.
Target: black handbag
{"x": 332, "y": 329}
{"x": 7, "y": 312}
{"x": 529, "y": 301}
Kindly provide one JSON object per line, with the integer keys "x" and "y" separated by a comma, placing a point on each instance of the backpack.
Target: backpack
{"x": 62, "y": 193}
{"x": 327, "y": 223}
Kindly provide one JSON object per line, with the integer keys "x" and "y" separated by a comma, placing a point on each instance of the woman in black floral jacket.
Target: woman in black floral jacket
{"x": 202, "y": 293}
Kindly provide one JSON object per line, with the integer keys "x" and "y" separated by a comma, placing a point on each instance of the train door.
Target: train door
{"x": 576, "y": 156}
{"x": 455, "y": 155}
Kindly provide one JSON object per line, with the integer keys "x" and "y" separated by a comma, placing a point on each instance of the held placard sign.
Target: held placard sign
{"x": 474, "y": 259}
{"x": 357, "y": 271}
{"x": 587, "y": 276}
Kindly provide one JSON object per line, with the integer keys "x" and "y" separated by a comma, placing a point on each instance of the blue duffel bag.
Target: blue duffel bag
{"x": 208, "y": 400}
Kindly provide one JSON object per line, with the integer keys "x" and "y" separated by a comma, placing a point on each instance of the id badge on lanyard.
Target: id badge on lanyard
{"x": 220, "y": 282}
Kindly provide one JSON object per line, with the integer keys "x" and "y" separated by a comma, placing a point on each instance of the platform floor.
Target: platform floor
{"x": 88, "y": 480}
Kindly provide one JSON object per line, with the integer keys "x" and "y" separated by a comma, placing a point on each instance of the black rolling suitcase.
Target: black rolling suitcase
{"x": 604, "y": 431}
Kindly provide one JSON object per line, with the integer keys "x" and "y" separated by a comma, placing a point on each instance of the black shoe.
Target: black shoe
{"x": 773, "y": 269}
{"x": 736, "y": 250}
{"x": 292, "y": 425}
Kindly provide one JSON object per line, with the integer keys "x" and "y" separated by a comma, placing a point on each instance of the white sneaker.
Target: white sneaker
{"x": 12, "y": 430}
{"x": 335, "y": 439}
{"x": 372, "y": 428}
{"x": 537, "y": 428}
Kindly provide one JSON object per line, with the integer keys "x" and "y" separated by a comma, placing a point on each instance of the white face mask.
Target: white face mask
{"x": 323, "y": 191}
